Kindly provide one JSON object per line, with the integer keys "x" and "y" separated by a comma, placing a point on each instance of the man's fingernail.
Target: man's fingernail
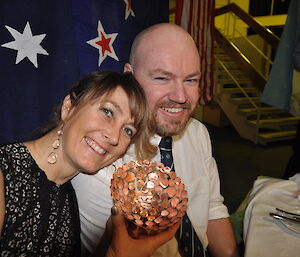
{"x": 114, "y": 210}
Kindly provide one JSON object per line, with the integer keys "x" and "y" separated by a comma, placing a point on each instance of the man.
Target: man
{"x": 165, "y": 61}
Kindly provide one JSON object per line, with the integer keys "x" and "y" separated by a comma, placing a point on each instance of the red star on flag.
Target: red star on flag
{"x": 129, "y": 10}
{"x": 104, "y": 43}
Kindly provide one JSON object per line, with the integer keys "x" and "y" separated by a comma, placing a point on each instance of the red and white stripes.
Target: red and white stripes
{"x": 197, "y": 17}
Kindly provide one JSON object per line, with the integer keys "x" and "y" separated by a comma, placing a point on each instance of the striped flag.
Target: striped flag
{"x": 197, "y": 17}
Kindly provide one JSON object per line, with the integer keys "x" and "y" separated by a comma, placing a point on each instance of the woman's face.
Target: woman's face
{"x": 97, "y": 133}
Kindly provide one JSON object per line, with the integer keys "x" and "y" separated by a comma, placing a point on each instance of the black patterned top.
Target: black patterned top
{"x": 41, "y": 218}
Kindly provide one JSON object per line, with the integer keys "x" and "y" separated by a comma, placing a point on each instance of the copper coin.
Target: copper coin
{"x": 166, "y": 170}
{"x": 131, "y": 164}
{"x": 177, "y": 180}
{"x": 125, "y": 191}
{"x": 129, "y": 216}
{"x": 131, "y": 186}
{"x": 184, "y": 193}
{"x": 172, "y": 175}
{"x": 143, "y": 213}
{"x": 150, "y": 184}
{"x": 164, "y": 213}
{"x": 151, "y": 218}
{"x": 172, "y": 182}
{"x": 125, "y": 167}
{"x": 171, "y": 191}
{"x": 164, "y": 183}
{"x": 165, "y": 203}
{"x": 158, "y": 220}
{"x": 158, "y": 189}
{"x": 120, "y": 184}
{"x": 139, "y": 222}
{"x": 153, "y": 212}
{"x": 139, "y": 162}
{"x": 149, "y": 223}
{"x": 174, "y": 202}
{"x": 152, "y": 176}
{"x": 130, "y": 177}
{"x": 172, "y": 214}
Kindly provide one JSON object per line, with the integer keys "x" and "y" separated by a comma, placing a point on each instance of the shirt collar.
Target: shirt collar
{"x": 155, "y": 140}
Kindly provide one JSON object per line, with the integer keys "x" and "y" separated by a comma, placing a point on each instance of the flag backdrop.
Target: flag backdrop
{"x": 45, "y": 46}
{"x": 197, "y": 17}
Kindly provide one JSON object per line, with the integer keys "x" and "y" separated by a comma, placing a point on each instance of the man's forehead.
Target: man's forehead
{"x": 195, "y": 73}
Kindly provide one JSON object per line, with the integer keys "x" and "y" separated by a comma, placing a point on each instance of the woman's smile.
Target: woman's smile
{"x": 96, "y": 147}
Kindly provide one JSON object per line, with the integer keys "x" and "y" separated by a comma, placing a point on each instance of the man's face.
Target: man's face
{"x": 170, "y": 80}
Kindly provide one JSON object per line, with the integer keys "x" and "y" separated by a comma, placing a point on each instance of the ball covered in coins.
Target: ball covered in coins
{"x": 149, "y": 194}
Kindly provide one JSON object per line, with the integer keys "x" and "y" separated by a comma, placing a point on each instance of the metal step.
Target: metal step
{"x": 239, "y": 100}
{"x": 235, "y": 74}
{"x": 233, "y": 71}
{"x": 267, "y": 109}
{"x": 275, "y": 121}
{"x": 278, "y": 134}
{"x": 238, "y": 90}
{"x": 227, "y": 80}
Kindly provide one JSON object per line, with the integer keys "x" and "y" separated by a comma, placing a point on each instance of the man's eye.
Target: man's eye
{"x": 129, "y": 132}
{"x": 107, "y": 112}
{"x": 193, "y": 80}
{"x": 161, "y": 78}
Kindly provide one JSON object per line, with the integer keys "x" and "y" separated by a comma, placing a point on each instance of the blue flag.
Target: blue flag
{"x": 45, "y": 46}
{"x": 277, "y": 91}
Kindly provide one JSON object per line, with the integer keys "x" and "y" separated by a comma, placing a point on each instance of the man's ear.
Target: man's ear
{"x": 66, "y": 108}
{"x": 128, "y": 67}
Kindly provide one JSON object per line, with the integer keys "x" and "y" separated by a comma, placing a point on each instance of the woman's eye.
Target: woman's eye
{"x": 107, "y": 112}
{"x": 129, "y": 131}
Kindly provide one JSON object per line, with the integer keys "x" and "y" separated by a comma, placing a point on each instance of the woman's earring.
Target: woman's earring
{"x": 115, "y": 167}
{"x": 52, "y": 157}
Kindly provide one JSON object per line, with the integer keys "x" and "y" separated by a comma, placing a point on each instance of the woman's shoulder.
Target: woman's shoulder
{"x": 12, "y": 155}
{"x": 13, "y": 150}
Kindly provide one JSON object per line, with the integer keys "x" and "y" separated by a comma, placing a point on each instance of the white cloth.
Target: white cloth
{"x": 263, "y": 235}
{"x": 193, "y": 163}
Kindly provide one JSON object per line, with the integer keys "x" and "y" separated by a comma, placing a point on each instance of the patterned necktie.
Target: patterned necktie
{"x": 188, "y": 240}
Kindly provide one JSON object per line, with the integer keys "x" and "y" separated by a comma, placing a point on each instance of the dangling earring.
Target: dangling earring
{"x": 115, "y": 167}
{"x": 52, "y": 157}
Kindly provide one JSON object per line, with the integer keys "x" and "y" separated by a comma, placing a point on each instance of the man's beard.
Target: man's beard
{"x": 168, "y": 126}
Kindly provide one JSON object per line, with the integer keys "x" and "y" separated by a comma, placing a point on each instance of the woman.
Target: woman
{"x": 103, "y": 113}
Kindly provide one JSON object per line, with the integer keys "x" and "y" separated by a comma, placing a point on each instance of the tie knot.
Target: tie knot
{"x": 165, "y": 143}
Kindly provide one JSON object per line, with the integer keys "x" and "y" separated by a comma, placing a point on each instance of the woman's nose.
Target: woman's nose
{"x": 112, "y": 135}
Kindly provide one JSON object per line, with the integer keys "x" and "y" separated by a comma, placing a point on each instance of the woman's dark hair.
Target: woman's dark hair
{"x": 100, "y": 83}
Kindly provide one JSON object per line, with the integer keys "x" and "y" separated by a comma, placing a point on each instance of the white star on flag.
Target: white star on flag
{"x": 129, "y": 10}
{"x": 104, "y": 43}
{"x": 26, "y": 44}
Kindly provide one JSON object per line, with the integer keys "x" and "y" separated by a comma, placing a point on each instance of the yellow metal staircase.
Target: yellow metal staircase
{"x": 240, "y": 83}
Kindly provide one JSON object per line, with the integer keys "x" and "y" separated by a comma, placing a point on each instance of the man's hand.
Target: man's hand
{"x": 123, "y": 245}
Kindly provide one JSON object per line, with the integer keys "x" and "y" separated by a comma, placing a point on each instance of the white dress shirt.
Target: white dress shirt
{"x": 193, "y": 163}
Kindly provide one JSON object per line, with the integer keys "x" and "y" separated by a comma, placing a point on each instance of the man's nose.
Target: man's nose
{"x": 178, "y": 93}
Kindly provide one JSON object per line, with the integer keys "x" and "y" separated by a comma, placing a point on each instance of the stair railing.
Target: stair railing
{"x": 264, "y": 32}
{"x": 238, "y": 85}
{"x": 229, "y": 43}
